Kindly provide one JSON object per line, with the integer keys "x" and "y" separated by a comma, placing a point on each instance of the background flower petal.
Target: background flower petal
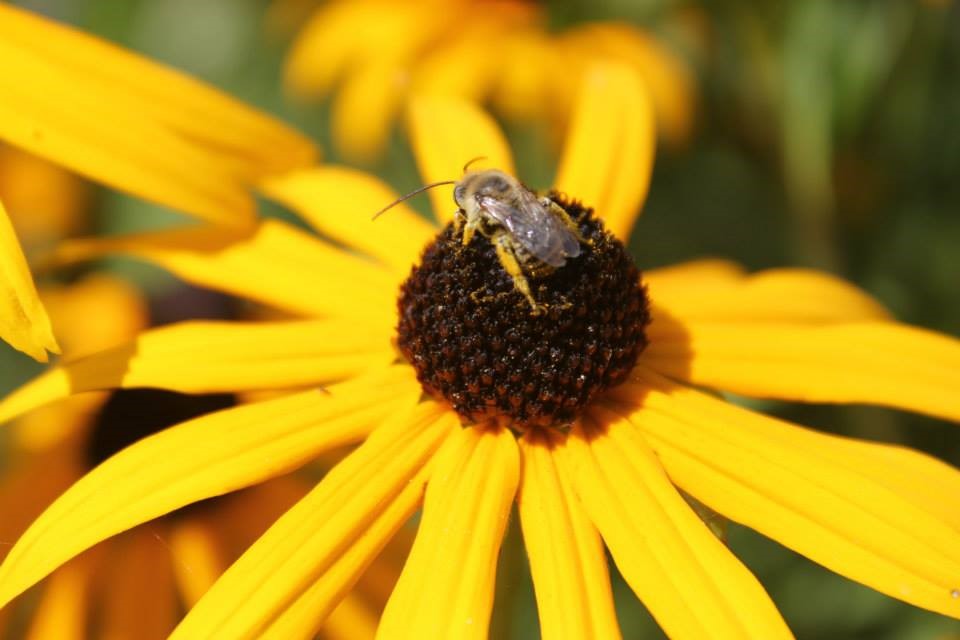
{"x": 276, "y": 264}
{"x": 133, "y": 124}
{"x": 341, "y": 202}
{"x": 608, "y": 155}
{"x": 64, "y": 606}
{"x": 878, "y": 363}
{"x": 198, "y": 459}
{"x": 446, "y": 133}
{"x": 446, "y": 587}
{"x": 236, "y": 356}
{"x": 823, "y": 496}
{"x": 139, "y": 596}
{"x": 566, "y": 555}
{"x": 691, "y": 583}
{"x": 330, "y": 535}
{"x": 197, "y": 558}
{"x": 365, "y": 109}
{"x": 24, "y": 323}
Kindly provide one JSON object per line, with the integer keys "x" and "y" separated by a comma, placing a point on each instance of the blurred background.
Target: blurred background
{"x": 821, "y": 133}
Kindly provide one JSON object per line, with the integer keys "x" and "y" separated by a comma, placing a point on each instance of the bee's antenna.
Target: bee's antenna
{"x": 471, "y": 161}
{"x": 410, "y": 195}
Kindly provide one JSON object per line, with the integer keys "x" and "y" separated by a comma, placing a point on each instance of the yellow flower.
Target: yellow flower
{"x": 131, "y": 124}
{"x": 881, "y": 515}
{"x": 373, "y": 53}
{"x": 44, "y": 201}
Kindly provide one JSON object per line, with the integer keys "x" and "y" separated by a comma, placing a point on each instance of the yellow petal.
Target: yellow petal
{"x": 521, "y": 91}
{"x": 330, "y": 535}
{"x": 64, "y": 605}
{"x": 276, "y": 264}
{"x": 672, "y": 86}
{"x": 341, "y": 202}
{"x": 341, "y": 35}
{"x": 566, "y": 555}
{"x": 140, "y": 601}
{"x": 198, "y": 558}
{"x": 879, "y": 363}
{"x": 693, "y": 276}
{"x": 691, "y": 583}
{"x": 446, "y": 588}
{"x": 365, "y": 109}
{"x": 94, "y": 313}
{"x": 133, "y": 124}
{"x": 236, "y": 356}
{"x": 198, "y": 459}
{"x": 823, "y": 496}
{"x": 774, "y": 295}
{"x": 353, "y": 619}
{"x": 446, "y": 133}
{"x": 24, "y": 323}
{"x": 608, "y": 156}
{"x": 329, "y": 604}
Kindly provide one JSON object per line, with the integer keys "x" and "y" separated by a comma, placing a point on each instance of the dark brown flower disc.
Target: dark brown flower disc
{"x": 474, "y": 340}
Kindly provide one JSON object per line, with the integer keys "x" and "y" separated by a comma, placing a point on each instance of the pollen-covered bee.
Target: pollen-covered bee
{"x": 531, "y": 235}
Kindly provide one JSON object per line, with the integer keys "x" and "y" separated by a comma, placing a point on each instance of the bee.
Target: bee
{"x": 532, "y": 235}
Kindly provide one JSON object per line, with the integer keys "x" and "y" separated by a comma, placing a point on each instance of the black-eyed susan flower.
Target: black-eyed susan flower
{"x": 371, "y": 54}
{"x": 612, "y": 472}
{"x": 138, "y": 584}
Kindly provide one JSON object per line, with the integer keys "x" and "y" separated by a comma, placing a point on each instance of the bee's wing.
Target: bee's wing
{"x": 534, "y": 227}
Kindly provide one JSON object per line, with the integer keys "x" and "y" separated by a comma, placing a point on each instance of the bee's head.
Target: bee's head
{"x": 491, "y": 183}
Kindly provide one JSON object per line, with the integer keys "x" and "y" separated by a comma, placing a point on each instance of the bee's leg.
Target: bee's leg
{"x": 568, "y": 222}
{"x": 469, "y": 229}
{"x": 512, "y": 266}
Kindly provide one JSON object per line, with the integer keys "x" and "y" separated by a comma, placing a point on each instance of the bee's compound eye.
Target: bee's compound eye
{"x": 459, "y": 193}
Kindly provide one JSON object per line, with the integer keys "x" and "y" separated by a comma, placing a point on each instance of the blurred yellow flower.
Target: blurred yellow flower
{"x": 881, "y": 515}
{"x": 132, "y": 124}
{"x": 45, "y": 202}
{"x": 371, "y": 54}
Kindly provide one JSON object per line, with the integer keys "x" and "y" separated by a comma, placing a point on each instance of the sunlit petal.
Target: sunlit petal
{"x": 24, "y": 323}
{"x": 447, "y": 133}
{"x": 823, "y": 496}
{"x": 330, "y": 535}
{"x": 880, "y": 363}
{"x": 774, "y": 295}
{"x": 204, "y": 457}
{"x": 691, "y": 583}
{"x": 608, "y": 158}
{"x": 446, "y": 587}
{"x": 341, "y": 202}
{"x": 133, "y": 124}
{"x": 566, "y": 555}
{"x": 237, "y": 356}
{"x": 276, "y": 264}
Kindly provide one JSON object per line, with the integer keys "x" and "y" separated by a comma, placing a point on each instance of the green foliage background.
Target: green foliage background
{"x": 828, "y": 135}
